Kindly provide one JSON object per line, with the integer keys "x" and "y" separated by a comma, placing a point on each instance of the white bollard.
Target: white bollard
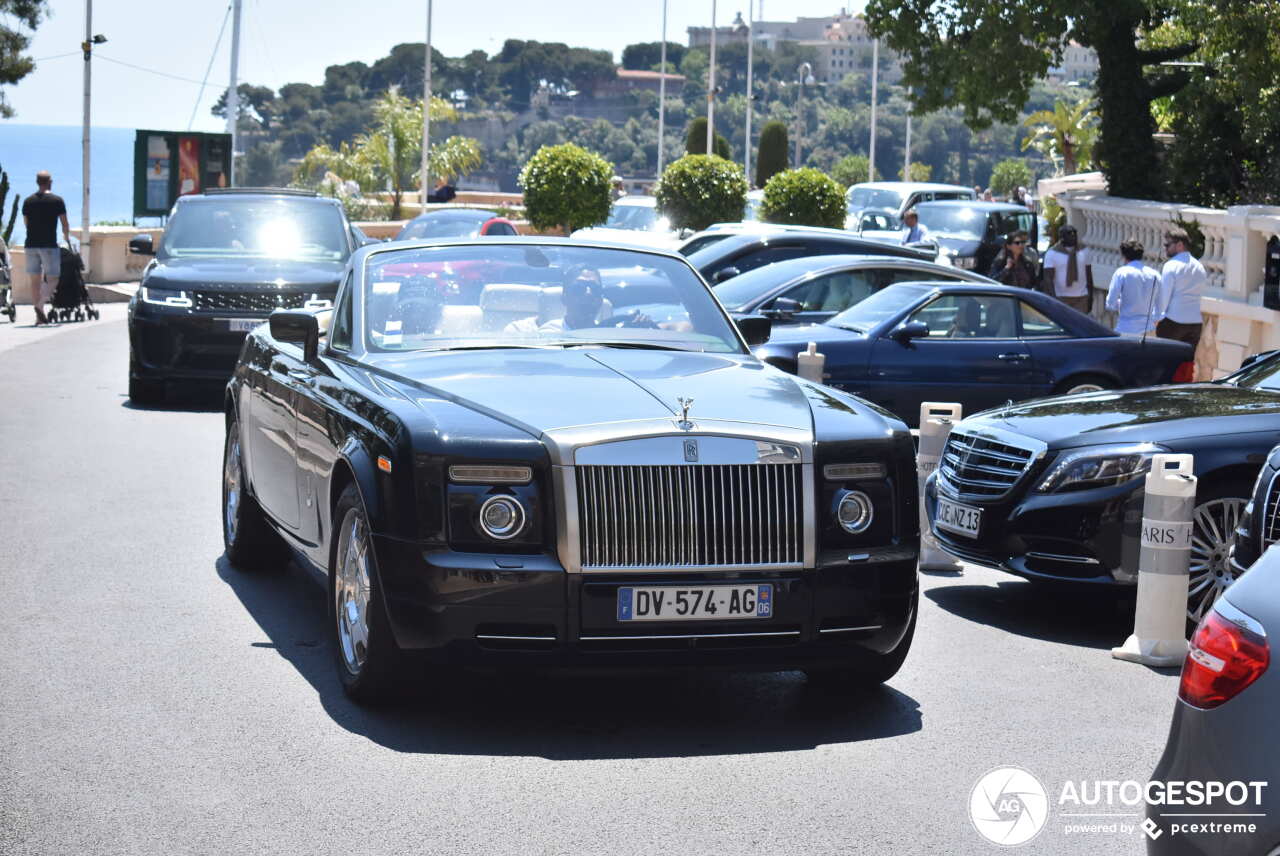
{"x": 809, "y": 363}
{"x": 936, "y": 420}
{"x": 1160, "y": 621}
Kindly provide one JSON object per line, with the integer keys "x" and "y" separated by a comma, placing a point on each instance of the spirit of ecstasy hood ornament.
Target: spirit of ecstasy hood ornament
{"x": 685, "y": 404}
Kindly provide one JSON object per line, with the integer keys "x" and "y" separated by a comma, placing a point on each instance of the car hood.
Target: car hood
{"x": 249, "y": 272}
{"x": 1150, "y": 415}
{"x": 541, "y": 390}
{"x": 956, "y": 244}
{"x": 790, "y": 339}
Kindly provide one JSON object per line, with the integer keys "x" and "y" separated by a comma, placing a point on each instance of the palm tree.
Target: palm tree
{"x": 389, "y": 155}
{"x": 1066, "y": 135}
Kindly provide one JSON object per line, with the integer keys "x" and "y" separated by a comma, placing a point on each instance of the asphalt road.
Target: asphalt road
{"x": 153, "y": 700}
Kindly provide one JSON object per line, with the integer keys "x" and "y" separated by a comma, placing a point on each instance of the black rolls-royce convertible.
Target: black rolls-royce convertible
{"x": 532, "y": 472}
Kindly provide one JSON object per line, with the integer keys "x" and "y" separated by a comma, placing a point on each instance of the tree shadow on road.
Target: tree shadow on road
{"x": 569, "y": 716}
{"x": 1094, "y": 617}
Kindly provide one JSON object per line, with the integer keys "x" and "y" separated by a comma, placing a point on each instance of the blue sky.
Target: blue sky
{"x": 293, "y": 40}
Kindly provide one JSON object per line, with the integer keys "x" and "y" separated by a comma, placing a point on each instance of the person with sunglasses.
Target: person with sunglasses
{"x": 1015, "y": 264}
{"x": 1182, "y": 282}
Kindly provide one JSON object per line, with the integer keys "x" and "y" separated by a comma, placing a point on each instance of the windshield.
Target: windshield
{"x": 953, "y": 220}
{"x": 879, "y": 307}
{"x": 1263, "y": 374}
{"x": 266, "y": 228}
{"x": 742, "y": 289}
{"x": 453, "y": 226}
{"x": 640, "y": 218}
{"x": 871, "y": 197}
{"x": 539, "y": 296}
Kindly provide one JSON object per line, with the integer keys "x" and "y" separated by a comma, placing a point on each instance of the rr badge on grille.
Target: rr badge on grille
{"x": 691, "y": 451}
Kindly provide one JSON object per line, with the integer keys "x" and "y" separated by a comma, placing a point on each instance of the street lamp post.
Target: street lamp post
{"x": 233, "y": 92}
{"x": 662, "y": 90}
{"x": 875, "y": 76}
{"x": 746, "y": 162}
{"x": 711, "y": 84}
{"x": 87, "y": 47}
{"x": 426, "y": 115}
{"x": 805, "y": 73}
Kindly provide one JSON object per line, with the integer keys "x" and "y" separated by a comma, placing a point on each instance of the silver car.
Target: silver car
{"x": 1222, "y": 735}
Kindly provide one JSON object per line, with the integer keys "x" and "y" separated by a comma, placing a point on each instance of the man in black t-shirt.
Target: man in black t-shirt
{"x": 41, "y": 212}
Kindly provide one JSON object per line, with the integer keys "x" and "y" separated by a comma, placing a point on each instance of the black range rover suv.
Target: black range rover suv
{"x": 227, "y": 259}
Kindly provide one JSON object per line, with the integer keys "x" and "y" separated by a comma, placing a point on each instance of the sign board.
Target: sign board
{"x": 169, "y": 164}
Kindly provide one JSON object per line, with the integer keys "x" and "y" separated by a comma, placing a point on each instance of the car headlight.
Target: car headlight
{"x": 501, "y": 517}
{"x": 854, "y": 511}
{"x": 964, "y": 262}
{"x": 1100, "y": 466}
{"x": 166, "y": 297}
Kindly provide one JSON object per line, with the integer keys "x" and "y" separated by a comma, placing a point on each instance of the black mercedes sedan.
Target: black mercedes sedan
{"x": 739, "y": 252}
{"x": 539, "y": 473}
{"x": 979, "y": 344}
{"x": 227, "y": 259}
{"x": 1052, "y": 489}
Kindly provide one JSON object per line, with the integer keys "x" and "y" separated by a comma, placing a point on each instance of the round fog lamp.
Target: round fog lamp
{"x": 501, "y": 517}
{"x": 854, "y": 513}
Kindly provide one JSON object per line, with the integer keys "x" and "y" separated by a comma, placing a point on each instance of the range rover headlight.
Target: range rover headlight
{"x": 1100, "y": 466}
{"x": 854, "y": 511}
{"x": 501, "y": 517}
{"x": 166, "y": 297}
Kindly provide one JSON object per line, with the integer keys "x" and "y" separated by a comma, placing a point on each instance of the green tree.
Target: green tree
{"x": 919, "y": 172}
{"x": 698, "y": 190}
{"x": 18, "y": 21}
{"x": 771, "y": 158}
{"x": 853, "y": 169}
{"x": 1009, "y": 175}
{"x": 13, "y": 213}
{"x": 389, "y": 154}
{"x": 805, "y": 197}
{"x": 648, "y": 55}
{"x": 566, "y": 187}
{"x": 940, "y": 44}
{"x": 1065, "y": 135}
{"x": 695, "y": 140}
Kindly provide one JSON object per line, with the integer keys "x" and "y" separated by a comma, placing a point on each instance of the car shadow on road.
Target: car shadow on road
{"x": 1091, "y": 618}
{"x": 199, "y": 399}
{"x": 569, "y": 716}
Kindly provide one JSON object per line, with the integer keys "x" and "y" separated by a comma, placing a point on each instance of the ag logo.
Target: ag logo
{"x": 1008, "y": 806}
{"x": 691, "y": 451}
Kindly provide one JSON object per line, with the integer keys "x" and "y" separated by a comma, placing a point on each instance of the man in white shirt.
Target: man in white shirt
{"x": 914, "y": 232}
{"x": 1133, "y": 291}
{"x": 1067, "y": 274}
{"x": 1182, "y": 282}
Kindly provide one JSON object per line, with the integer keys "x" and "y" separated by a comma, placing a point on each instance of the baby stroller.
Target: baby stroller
{"x": 71, "y": 298}
{"x": 7, "y": 306}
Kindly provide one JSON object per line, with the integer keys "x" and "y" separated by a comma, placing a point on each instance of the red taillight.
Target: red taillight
{"x": 1224, "y": 659}
{"x": 1185, "y": 373}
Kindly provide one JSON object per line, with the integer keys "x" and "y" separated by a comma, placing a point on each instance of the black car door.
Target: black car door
{"x": 273, "y": 438}
{"x": 972, "y": 355}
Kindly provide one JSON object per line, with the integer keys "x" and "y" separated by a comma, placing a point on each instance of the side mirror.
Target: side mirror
{"x": 910, "y": 330}
{"x": 724, "y": 274}
{"x": 140, "y": 245}
{"x": 784, "y": 309}
{"x": 301, "y": 328}
{"x": 1253, "y": 358}
{"x": 755, "y": 329}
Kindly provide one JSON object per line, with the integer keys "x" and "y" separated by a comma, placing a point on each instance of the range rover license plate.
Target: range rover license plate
{"x": 961, "y": 519}
{"x": 694, "y": 603}
{"x": 243, "y": 325}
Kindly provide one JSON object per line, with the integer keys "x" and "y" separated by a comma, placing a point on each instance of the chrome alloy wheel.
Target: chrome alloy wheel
{"x": 1084, "y": 387}
{"x": 351, "y": 591}
{"x": 231, "y": 488}
{"x": 1211, "y": 573}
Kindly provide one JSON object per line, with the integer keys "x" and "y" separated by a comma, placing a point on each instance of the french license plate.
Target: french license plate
{"x": 694, "y": 603}
{"x": 243, "y": 325}
{"x": 961, "y": 519}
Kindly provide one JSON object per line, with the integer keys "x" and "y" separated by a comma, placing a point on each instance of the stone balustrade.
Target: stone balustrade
{"x": 1236, "y": 323}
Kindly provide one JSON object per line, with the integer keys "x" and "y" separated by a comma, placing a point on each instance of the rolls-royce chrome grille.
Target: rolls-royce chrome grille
{"x": 690, "y": 516}
{"x": 980, "y": 468}
{"x": 1271, "y": 514}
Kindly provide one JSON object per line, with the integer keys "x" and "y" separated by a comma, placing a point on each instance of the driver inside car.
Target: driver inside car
{"x": 582, "y": 296}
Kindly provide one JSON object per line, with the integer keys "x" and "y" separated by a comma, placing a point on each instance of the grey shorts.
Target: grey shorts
{"x": 44, "y": 260}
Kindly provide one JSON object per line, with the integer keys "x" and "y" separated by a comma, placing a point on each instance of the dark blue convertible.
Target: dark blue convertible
{"x": 980, "y": 345}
